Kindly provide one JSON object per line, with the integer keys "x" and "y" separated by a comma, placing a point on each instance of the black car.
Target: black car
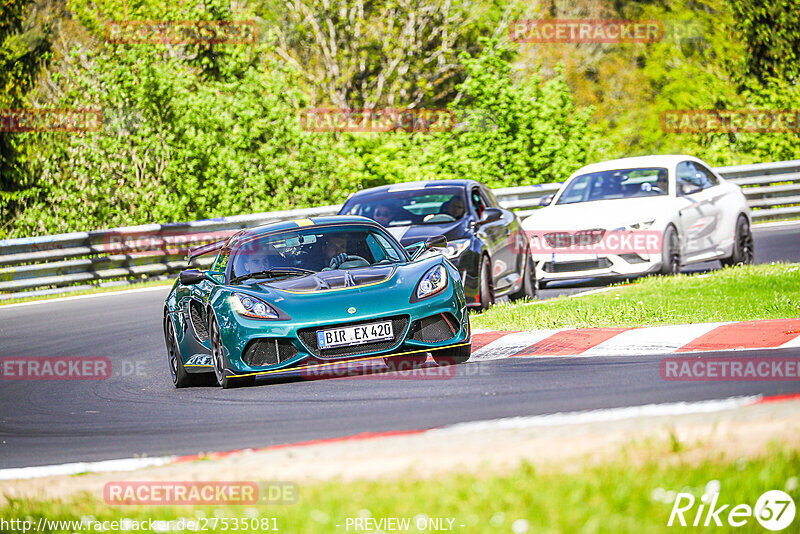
{"x": 485, "y": 242}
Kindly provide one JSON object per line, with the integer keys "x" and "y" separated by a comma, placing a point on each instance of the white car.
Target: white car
{"x": 633, "y": 216}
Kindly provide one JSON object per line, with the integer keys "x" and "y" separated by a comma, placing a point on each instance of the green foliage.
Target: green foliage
{"x": 772, "y": 33}
{"x": 24, "y": 48}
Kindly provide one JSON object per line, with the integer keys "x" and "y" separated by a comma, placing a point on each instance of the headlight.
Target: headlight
{"x": 639, "y": 225}
{"x": 252, "y": 307}
{"x": 455, "y": 248}
{"x": 432, "y": 282}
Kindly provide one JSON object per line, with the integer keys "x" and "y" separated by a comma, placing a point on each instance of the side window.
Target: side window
{"x": 478, "y": 203}
{"x": 687, "y": 174}
{"x": 490, "y": 198}
{"x": 710, "y": 178}
{"x": 221, "y": 263}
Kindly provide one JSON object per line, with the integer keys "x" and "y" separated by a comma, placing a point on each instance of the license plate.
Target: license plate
{"x": 354, "y": 335}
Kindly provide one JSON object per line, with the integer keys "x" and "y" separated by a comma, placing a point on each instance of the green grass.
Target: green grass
{"x": 113, "y": 289}
{"x": 629, "y": 494}
{"x": 732, "y": 294}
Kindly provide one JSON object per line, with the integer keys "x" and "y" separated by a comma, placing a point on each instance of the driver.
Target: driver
{"x": 454, "y": 207}
{"x": 661, "y": 181}
{"x": 335, "y": 250}
{"x": 254, "y": 263}
{"x": 383, "y": 214}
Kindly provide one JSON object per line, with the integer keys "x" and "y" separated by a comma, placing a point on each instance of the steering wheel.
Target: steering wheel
{"x": 341, "y": 259}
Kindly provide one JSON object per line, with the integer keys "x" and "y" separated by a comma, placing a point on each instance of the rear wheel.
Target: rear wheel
{"x": 453, "y": 356}
{"x": 743, "y": 251}
{"x": 487, "y": 289}
{"x": 671, "y": 252}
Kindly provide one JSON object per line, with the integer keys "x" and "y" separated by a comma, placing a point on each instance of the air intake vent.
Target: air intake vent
{"x": 434, "y": 329}
{"x": 198, "y": 318}
{"x": 262, "y": 352}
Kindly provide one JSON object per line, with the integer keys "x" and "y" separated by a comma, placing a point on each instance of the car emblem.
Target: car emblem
{"x": 351, "y": 310}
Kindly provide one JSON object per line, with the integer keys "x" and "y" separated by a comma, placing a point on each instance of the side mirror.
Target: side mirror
{"x": 490, "y": 215}
{"x": 690, "y": 189}
{"x": 191, "y": 277}
{"x": 437, "y": 241}
{"x": 416, "y": 249}
{"x": 546, "y": 200}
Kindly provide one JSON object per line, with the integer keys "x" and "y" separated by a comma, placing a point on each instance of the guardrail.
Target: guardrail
{"x": 80, "y": 260}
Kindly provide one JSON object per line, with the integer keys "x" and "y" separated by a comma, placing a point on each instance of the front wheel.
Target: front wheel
{"x": 530, "y": 285}
{"x": 454, "y": 355}
{"x": 487, "y": 289}
{"x": 671, "y": 252}
{"x": 180, "y": 378}
{"x": 743, "y": 252}
{"x": 224, "y": 378}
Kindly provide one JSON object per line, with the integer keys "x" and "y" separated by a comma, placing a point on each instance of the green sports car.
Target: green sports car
{"x": 288, "y": 297}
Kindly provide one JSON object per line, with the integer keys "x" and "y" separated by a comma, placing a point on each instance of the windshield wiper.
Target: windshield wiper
{"x": 271, "y": 273}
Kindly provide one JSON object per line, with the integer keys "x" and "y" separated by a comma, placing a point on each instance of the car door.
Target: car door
{"x": 495, "y": 235}
{"x": 698, "y": 211}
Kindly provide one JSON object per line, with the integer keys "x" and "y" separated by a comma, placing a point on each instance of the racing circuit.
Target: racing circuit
{"x": 137, "y": 411}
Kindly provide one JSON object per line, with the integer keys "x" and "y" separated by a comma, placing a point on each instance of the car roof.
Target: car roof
{"x": 303, "y": 223}
{"x": 410, "y": 186}
{"x": 667, "y": 161}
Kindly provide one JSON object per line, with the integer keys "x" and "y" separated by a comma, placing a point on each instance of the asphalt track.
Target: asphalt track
{"x": 137, "y": 411}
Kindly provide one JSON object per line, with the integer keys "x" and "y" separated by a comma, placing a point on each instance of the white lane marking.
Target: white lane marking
{"x": 791, "y": 344}
{"x": 125, "y": 464}
{"x": 651, "y": 340}
{"x": 81, "y": 297}
{"x": 509, "y": 345}
{"x": 598, "y": 416}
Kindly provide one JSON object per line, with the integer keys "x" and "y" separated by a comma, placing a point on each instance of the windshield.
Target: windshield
{"x": 615, "y": 184}
{"x": 431, "y": 205}
{"x": 301, "y": 252}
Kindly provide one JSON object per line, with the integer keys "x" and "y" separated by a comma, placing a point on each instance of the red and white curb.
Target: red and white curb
{"x": 536, "y": 421}
{"x": 703, "y": 337}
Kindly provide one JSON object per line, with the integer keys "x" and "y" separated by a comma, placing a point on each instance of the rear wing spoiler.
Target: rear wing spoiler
{"x": 205, "y": 249}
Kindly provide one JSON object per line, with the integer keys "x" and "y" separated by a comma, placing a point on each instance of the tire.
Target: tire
{"x": 670, "y": 252}
{"x": 486, "y": 287}
{"x": 453, "y": 356}
{"x": 530, "y": 285}
{"x": 224, "y": 378}
{"x": 405, "y": 363}
{"x": 743, "y": 252}
{"x": 180, "y": 378}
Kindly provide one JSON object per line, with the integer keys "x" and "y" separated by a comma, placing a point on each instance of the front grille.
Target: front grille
{"x": 434, "y": 329}
{"x": 268, "y": 352}
{"x": 571, "y": 266}
{"x": 581, "y": 238}
{"x": 309, "y": 337}
{"x": 198, "y": 320}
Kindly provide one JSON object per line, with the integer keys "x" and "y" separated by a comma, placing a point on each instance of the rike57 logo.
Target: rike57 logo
{"x": 774, "y": 510}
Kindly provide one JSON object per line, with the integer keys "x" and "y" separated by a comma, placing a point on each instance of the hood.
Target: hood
{"x": 408, "y": 235}
{"x": 326, "y": 280}
{"x": 607, "y": 214}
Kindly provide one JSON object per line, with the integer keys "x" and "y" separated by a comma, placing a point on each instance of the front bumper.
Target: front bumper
{"x": 439, "y": 322}
{"x": 578, "y": 266}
